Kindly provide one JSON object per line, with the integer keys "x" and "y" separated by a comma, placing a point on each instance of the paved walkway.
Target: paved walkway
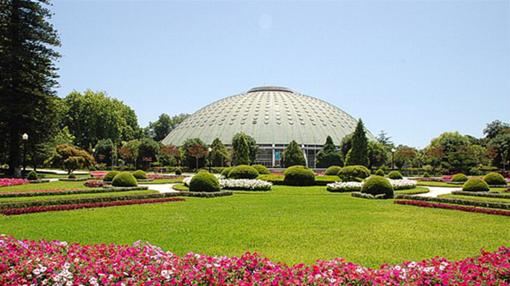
{"x": 436, "y": 191}
{"x": 162, "y": 188}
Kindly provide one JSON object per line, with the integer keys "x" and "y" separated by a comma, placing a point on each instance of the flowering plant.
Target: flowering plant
{"x": 5, "y": 182}
{"x": 402, "y": 184}
{"x": 94, "y": 183}
{"x": 245, "y": 184}
{"x": 24, "y": 262}
{"x": 98, "y": 174}
{"x": 452, "y": 207}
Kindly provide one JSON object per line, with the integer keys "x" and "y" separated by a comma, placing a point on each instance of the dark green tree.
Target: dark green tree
{"x": 358, "y": 154}
{"x": 148, "y": 151}
{"x": 241, "y": 149}
{"x": 219, "y": 154}
{"x": 329, "y": 155}
{"x": 70, "y": 158}
{"x": 377, "y": 154}
{"x": 27, "y": 76}
{"x": 194, "y": 153}
{"x": 159, "y": 129}
{"x": 105, "y": 151}
{"x": 346, "y": 145}
{"x": 293, "y": 155}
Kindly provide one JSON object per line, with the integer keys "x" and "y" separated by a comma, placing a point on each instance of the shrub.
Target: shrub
{"x": 299, "y": 176}
{"x": 426, "y": 175}
{"x": 178, "y": 171}
{"x": 395, "y": 175}
{"x": 494, "y": 178}
{"x": 243, "y": 172}
{"x": 475, "y": 185}
{"x": 263, "y": 170}
{"x": 226, "y": 171}
{"x": 32, "y": 176}
{"x": 354, "y": 173}
{"x": 110, "y": 175}
{"x": 71, "y": 176}
{"x": 204, "y": 182}
{"x": 377, "y": 185}
{"x": 379, "y": 172}
{"x": 124, "y": 179}
{"x": 140, "y": 175}
{"x": 459, "y": 178}
{"x": 332, "y": 170}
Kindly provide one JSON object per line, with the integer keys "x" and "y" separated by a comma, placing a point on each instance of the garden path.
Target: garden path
{"x": 436, "y": 191}
{"x": 162, "y": 188}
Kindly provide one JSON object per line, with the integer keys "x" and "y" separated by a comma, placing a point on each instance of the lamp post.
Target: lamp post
{"x": 24, "y": 138}
{"x": 393, "y": 158}
{"x": 209, "y": 157}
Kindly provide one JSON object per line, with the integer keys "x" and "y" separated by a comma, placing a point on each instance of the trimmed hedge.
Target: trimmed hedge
{"x": 491, "y": 205}
{"x": 69, "y": 192}
{"x": 354, "y": 173}
{"x": 206, "y": 194}
{"x": 299, "y": 176}
{"x": 178, "y": 171}
{"x": 395, "y": 175}
{"x": 272, "y": 178}
{"x": 324, "y": 180}
{"x": 378, "y": 186}
{"x": 226, "y": 171}
{"x": 140, "y": 175}
{"x": 124, "y": 179}
{"x": 494, "y": 178}
{"x": 204, "y": 182}
{"x": 459, "y": 178}
{"x": 32, "y": 176}
{"x": 110, "y": 175}
{"x": 332, "y": 170}
{"x": 243, "y": 172}
{"x": 263, "y": 170}
{"x": 475, "y": 185}
{"x": 483, "y": 194}
{"x": 452, "y": 207}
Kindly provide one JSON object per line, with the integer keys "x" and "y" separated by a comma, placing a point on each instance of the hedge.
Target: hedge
{"x": 299, "y": 176}
{"x": 206, "y": 194}
{"x": 492, "y": 205}
{"x": 243, "y": 172}
{"x": 70, "y": 192}
{"x": 482, "y": 194}
{"x": 452, "y": 207}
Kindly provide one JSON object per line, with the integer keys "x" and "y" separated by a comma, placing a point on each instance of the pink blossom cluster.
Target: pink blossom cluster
{"x": 98, "y": 174}
{"x": 94, "y": 183}
{"x": 5, "y": 182}
{"x": 26, "y": 262}
{"x": 157, "y": 176}
{"x": 452, "y": 207}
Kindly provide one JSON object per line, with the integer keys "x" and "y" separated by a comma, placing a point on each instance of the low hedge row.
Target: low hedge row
{"x": 482, "y": 194}
{"x": 491, "y": 205}
{"x": 70, "y": 192}
{"x": 206, "y": 194}
{"x": 452, "y": 207}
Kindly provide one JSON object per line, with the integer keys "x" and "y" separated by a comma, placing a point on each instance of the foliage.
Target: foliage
{"x": 219, "y": 155}
{"x": 226, "y": 171}
{"x": 245, "y": 184}
{"x": 110, "y": 175}
{"x": 124, "y": 179}
{"x": 169, "y": 155}
{"x": 377, "y": 154}
{"x": 405, "y": 156}
{"x": 358, "y": 154}
{"x": 140, "y": 175}
{"x": 194, "y": 152}
{"x": 452, "y": 207}
{"x": 243, "y": 172}
{"x": 329, "y": 155}
{"x": 499, "y": 149}
{"x": 494, "y": 178}
{"x": 426, "y": 175}
{"x": 159, "y": 129}
{"x": 204, "y": 182}
{"x": 261, "y": 169}
{"x": 32, "y": 176}
{"x": 346, "y": 144}
{"x": 178, "y": 171}
{"x": 129, "y": 151}
{"x": 379, "y": 172}
{"x": 241, "y": 149}
{"x": 353, "y": 173}
{"x": 377, "y": 185}
{"x": 332, "y": 170}
{"x": 71, "y": 158}
{"x": 395, "y": 175}
{"x": 105, "y": 151}
{"x": 299, "y": 176}
{"x": 148, "y": 151}
{"x": 293, "y": 155}
{"x": 459, "y": 177}
{"x": 475, "y": 184}
{"x": 344, "y": 187}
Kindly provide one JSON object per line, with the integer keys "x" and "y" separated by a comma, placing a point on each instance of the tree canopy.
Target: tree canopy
{"x": 293, "y": 155}
{"x": 358, "y": 154}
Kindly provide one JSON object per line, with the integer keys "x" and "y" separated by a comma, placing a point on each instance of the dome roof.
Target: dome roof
{"x": 271, "y": 115}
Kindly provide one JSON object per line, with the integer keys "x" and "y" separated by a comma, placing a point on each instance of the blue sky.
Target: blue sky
{"x": 412, "y": 68}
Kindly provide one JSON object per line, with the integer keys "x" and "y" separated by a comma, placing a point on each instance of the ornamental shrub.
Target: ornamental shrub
{"x": 459, "y": 178}
{"x": 226, "y": 171}
{"x": 475, "y": 184}
{"x": 299, "y": 176}
{"x": 32, "y": 176}
{"x": 140, "y": 175}
{"x": 377, "y": 185}
{"x": 204, "y": 182}
{"x": 395, "y": 175}
{"x": 494, "y": 178}
{"x": 263, "y": 170}
{"x": 71, "y": 176}
{"x": 124, "y": 179}
{"x": 332, "y": 170}
{"x": 354, "y": 173}
{"x": 293, "y": 155}
{"x": 426, "y": 175}
{"x": 243, "y": 172}
{"x": 110, "y": 175}
{"x": 379, "y": 172}
{"x": 178, "y": 171}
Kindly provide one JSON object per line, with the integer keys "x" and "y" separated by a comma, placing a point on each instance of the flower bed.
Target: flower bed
{"x": 491, "y": 205}
{"x": 6, "y": 182}
{"x": 483, "y": 194}
{"x": 67, "y": 192}
{"x": 156, "y": 176}
{"x": 98, "y": 174}
{"x": 452, "y": 207}
{"x": 403, "y": 184}
{"x": 245, "y": 184}
{"x": 38, "y": 209}
{"x": 94, "y": 183}
{"x": 24, "y": 262}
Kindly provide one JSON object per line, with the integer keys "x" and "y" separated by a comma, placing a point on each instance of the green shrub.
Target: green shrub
{"x": 426, "y": 175}
{"x": 243, "y": 172}
{"x": 124, "y": 179}
{"x": 332, "y": 170}
{"x": 226, "y": 171}
{"x": 71, "y": 176}
{"x": 204, "y": 182}
{"x": 178, "y": 171}
{"x": 299, "y": 176}
{"x": 140, "y": 175}
{"x": 494, "y": 178}
{"x": 395, "y": 175}
{"x": 475, "y": 184}
{"x": 110, "y": 175}
{"x": 354, "y": 173}
{"x": 263, "y": 170}
{"x": 459, "y": 178}
{"x": 32, "y": 176}
{"x": 380, "y": 172}
{"x": 377, "y": 185}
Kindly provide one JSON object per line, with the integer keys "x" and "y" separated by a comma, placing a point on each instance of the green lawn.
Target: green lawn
{"x": 45, "y": 186}
{"x": 75, "y": 196}
{"x": 290, "y": 224}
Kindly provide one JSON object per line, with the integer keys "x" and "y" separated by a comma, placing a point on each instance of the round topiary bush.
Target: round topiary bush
{"x": 124, "y": 179}
{"x": 243, "y": 172}
{"x": 475, "y": 184}
{"x": 110, "y": 175}
{"x": 355, "y": 173}
{"x": 426, "y": 175}
{"x": 226, "y": 171}
{"x": 178, "y": 171}
{"x": 263, "y": 170}
{"x": 395, "y": 175}
{"x": 378, "y": 186}
{"x": 379, "y": 172}
{"x": 332, "y": 170}
{"x": 204, "y": 182}
{"x": 459, "y": 178}
{"x": 32, "y": 176}
{"x": 299, "y": 176}
{"x": 140, "y": 175}
{"x": 494, "y": 178}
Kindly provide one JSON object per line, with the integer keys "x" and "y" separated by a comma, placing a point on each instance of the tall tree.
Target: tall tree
{"x": 194, "y": 151}
{"x": 328, "y": 155}
{"x": 71, "y": 158}
{"x": 241, "y": 149}
{"x": 219, "y": 153}
{"x": 358, "y": 154}
{"x": 105, "y": 151}
{"x": 159, "y": 129}
{"x": 27, "y": 75}
{"x": 377, "y": 154}
{"x": 148, "y": 151}
{"x": 293, "y": 155}
{"x": 384, "y": 139}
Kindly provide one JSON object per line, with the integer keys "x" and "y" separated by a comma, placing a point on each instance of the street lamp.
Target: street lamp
{"x": 24, "y": 138}
{"x": 209, "y": 155}
{"x": 393, "y": 158}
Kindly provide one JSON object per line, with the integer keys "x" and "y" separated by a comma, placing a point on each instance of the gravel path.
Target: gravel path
{"x": 162, "y": 188}
{"x": 436, "y": 191}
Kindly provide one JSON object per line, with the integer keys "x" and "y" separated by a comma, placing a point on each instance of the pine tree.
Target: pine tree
{"x": 27, "y": 75}
{"x": 358, "y": 154}
{"x": 329, "y": 156}
{"x": 293, "y": 155}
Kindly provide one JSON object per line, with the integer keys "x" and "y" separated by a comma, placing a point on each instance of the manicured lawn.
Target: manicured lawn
{"x": 45, "y": 186}
{"x": 75, "y": 196}
{"x": 291, "y": 224}
{"x": 438, "y": 184}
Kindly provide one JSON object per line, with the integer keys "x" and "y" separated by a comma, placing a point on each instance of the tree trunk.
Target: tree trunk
{"x": 14, "y": 153}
